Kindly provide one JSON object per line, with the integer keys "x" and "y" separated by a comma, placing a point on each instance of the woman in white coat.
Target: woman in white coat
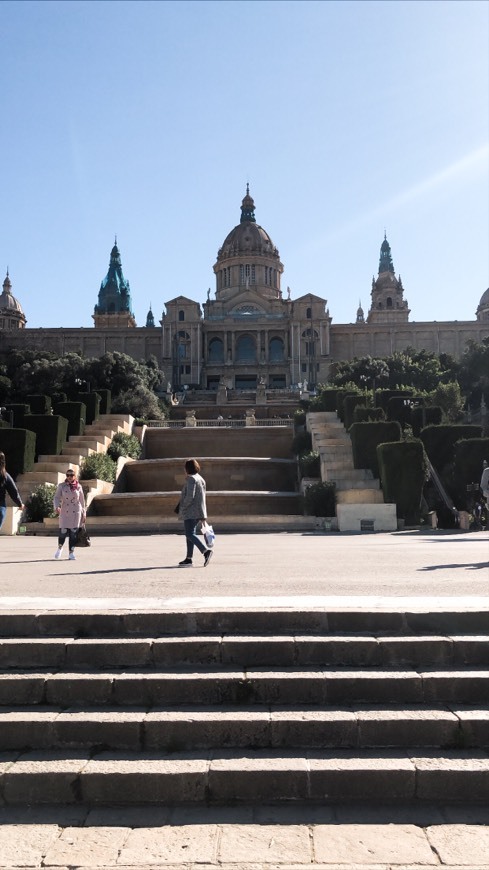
{"x": 69, "y": 504}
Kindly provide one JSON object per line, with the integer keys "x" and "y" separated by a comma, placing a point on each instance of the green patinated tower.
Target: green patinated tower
{"x": 114, "y": 298}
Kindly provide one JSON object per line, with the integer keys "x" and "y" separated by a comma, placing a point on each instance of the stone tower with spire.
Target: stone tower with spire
{"x": 114, "y": 299}
{"x": 388, "y": 304}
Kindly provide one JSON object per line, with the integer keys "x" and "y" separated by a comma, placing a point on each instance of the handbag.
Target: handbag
{"x": 208, "y": 533}
{"x": 82, "y": 537}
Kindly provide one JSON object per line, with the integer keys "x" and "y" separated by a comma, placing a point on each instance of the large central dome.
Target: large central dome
{"x": 248, "y": 236}
{"x": 248, "y": 259}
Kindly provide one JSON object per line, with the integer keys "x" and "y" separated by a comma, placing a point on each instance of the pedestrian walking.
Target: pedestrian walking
{"x": 193, "y": 510}
{"x": 69, "y": 504}
{"x": 484, "y": 484}
{"x": 7, "y": 485}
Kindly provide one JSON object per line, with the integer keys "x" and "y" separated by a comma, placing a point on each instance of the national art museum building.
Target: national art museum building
{"x": 250, "y": 333}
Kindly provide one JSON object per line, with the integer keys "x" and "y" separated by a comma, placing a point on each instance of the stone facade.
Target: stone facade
{"x": 249, "y": 335}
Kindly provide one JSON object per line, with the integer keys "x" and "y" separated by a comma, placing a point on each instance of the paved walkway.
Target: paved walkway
{"x": 410, "y": 569}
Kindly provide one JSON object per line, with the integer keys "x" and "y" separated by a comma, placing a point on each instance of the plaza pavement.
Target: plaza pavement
{"x": 425, "y": 570}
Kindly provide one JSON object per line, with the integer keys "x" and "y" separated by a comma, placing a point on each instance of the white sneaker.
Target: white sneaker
{"x": 58, "y": 552}
{"x": 72, "y": 556}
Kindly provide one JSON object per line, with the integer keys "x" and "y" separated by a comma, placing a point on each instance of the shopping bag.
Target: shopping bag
{"x": 208, "y": 533}
{"x": 83, "y": 538}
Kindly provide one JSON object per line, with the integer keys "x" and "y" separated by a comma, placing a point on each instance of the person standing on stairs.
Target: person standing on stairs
{"x": 69, "y": 504}
{"x": 7, "y": 485}
{"x": 192, "y": 510}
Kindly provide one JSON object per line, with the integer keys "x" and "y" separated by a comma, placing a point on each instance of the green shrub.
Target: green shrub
{"x": 19, "y": 446}
{"x": 39, "y": 505}
{"x": 350, "y": 403}
{"x": 301, "y": 443}
{"x": 124, "y": 445}
{"x": 365, "y": 438}
{"x": 39, "y": 404}
{"x": 99, "y": 466}
{"x": 427, "y": 415}
{"x": 299, "y": 417}
{"x": 403, "y": 472}
{"x": 324, "y": 401}
{"x": 361, "y": 414}
{"x": 320, "y": 500}
{"x": 310, "y": 464}
{"x": 439, "y": 441}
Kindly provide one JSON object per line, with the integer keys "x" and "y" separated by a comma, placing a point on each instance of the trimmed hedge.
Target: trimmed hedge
{"x": 51, "y": 431}
{"x": 310, "y": 464}
{"x": 320, "y": 500}
{"x": 362, "y": 414}
{"x": 402, "y": 472}
{"x": 40, "y": 404}
{"x": 19, "y": 446}
{"x": 398, "y": 410}
{"x": 468, "y": 455}
{"x": 19, "y": 412}
{"x": 105, "y": 401}
{"x": 75, "y": 413}
{"x": 92, "y": 404}
{"x": 439, "y": 441}
{"x": 324, "y": 401}
{"x": 301, "y": 443}
{"x": 350, "y": 403}
{"x": 365, "y": 438}
{"x": 382, "y": 397}
{"x": 430, "y": 415}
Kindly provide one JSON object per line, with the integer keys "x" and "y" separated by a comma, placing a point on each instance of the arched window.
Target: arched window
{"x": 388, "y": 302}
{"x": 276, "y": 350}
{"x": 241, "y": 275}
{"x": 245, "y": 349}
{"x": 308, "y": 313}
{"x": 181, "y": 315}
{"x": 183, "y": 344}
{"x": 216, "y": 350}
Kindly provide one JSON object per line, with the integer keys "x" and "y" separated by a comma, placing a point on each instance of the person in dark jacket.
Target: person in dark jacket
{"x": 7, "y": 485}
{"x": 192, "y": 510}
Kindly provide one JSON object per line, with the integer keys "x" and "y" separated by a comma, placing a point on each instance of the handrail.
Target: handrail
{"x": 219, "y": 424}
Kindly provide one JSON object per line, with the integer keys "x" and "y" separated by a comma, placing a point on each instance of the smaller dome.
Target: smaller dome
{"x": 9, "y": 303}
{"x": 482, "y": 312}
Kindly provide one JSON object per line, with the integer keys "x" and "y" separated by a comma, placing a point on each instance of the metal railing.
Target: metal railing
{"x": 219, "y": 424}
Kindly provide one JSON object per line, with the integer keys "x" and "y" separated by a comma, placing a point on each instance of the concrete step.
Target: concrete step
{"x": 221, "y": 685}
{"x": 97, "y": 443}
{"x": 447, "y": 620}
{"x": 76, "y": 452}
{"x": 125, "y": 778}
{"x": 219, "y": 504}
{"x": 34, "y": 478}
{"x": 356, "y": 650}
{"x": 59, "y": 465}
{"x": 192, "y": 727}
{"x": 359, "y": 496}
{"x": 221, "y": 706}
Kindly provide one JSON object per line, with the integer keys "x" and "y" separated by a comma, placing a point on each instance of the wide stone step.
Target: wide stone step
{"x": 447, "y": 620}
{"x": 191, "y": 727}
{"x": 124, "y": 778}
{"x": 235, "y": 686}
{"x": 219, "y": 503}
{"x": 359, "y": 496}
{"x": 98, "y": 443}
{"x": 245, "y": 651}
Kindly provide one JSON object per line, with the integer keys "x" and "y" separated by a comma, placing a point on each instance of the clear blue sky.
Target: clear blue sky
{"x": 146, "y": 119}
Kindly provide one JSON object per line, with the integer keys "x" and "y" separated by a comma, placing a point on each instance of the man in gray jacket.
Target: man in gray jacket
{"x": 192, "y": 510}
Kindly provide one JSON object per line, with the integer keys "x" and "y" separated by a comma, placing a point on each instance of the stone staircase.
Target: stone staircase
{"x": 227, "y": 706}
{"x": 359, "y": 499}
{"x": 96, "y": 439}
{"x": 251, "y": 477}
